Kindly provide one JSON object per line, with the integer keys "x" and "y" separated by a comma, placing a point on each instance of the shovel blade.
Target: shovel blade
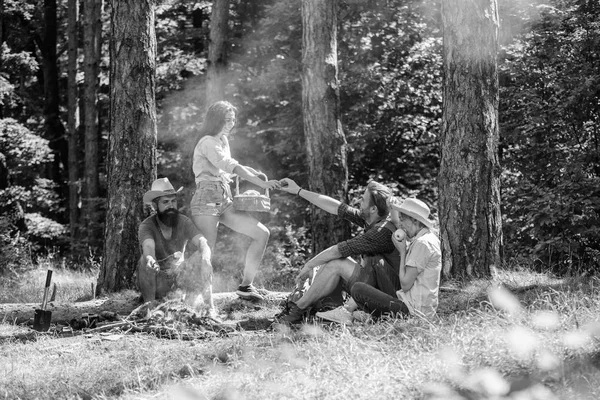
{"x": 41, "y": 320}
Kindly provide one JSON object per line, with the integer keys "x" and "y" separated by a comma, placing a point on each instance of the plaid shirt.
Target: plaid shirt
{"x": 376, "y": 240}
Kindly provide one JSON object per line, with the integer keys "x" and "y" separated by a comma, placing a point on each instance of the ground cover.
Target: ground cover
{"x": 538, "y": 338}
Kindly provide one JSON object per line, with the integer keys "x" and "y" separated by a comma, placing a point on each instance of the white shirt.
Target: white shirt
{"x": 425, "y": 255}
{"x": 212, "y": 159}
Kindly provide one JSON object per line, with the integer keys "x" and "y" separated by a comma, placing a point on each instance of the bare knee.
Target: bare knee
{"x": 334, "y": 265}
{"x": 262, "y": 234}
{"x": 341, "y": 267}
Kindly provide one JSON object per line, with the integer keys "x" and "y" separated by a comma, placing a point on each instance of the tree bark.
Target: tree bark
{"x": 217, "y": 54}
{"x": 131, "y": 161}
{"x": 92, "y": 39}
{"x": 469, "y": 179}
{"x": 73, "y": 120}
{"x": 53, "y": 127}
{"x": 326, "y": 144}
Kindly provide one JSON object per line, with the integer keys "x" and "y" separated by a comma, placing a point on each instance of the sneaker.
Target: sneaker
{"x": 362, "y": 316}
{"x": 291, "y": 315}
{"x": 340, "y": 315}
{"x": 249, "y": 293}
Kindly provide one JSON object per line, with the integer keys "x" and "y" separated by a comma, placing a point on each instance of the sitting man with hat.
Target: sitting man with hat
{"x": 163, "y": 238}
{"x": 420, "y": 265}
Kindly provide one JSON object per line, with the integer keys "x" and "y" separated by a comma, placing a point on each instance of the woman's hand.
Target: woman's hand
{"x": 288, "y": 185}
{"x": 400, "y": 244}
{"x": 272, "y": 184}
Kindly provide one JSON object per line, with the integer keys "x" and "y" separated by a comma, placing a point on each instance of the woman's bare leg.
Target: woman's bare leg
{"x": 208, "y": 225}
{"x": 246, "y": 224}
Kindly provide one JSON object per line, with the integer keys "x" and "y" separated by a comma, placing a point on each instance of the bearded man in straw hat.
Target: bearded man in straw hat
{"x": 163, "y": 238}
{"x": 420, "y": 265}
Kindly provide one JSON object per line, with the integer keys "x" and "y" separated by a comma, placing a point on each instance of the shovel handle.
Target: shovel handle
{"x": 48, "y": 279}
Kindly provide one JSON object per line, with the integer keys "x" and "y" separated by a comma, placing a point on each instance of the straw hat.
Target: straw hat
{"x": 416, "y": 209}
{"x": 160, "y": 187}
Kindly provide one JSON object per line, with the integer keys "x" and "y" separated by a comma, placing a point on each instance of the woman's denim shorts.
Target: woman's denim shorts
{"x": 211, "y": 198}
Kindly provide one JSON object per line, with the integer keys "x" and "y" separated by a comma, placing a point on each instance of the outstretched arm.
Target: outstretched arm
{"x": 326, "y": 203}
{"x": 250, "y": 174}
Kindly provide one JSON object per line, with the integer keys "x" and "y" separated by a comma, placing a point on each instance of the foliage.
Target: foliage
{"x": 26, "y": 155}
{"x": 15, "y": 256}
{"x": 389, "y": 56}
{"x": 550, "y": 113}
{"x": 390, "y": 74}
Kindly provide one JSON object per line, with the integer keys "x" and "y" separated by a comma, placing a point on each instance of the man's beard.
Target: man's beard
{"x": 169, "y": 217}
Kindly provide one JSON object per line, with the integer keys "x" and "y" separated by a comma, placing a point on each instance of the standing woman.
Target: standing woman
{"x": 213, "y": 203}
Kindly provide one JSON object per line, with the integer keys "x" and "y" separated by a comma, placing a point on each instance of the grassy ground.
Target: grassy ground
{"x": 542, "y": 338}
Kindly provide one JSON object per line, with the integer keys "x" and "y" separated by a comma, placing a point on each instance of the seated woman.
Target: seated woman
{"x": 212, "y": 201}
{"x": 420, "y": 266}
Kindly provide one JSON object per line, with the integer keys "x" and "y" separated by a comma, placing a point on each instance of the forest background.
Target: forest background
{"x": 390, "y": 85}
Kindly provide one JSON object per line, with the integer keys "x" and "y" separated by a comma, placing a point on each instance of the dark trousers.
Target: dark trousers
{"x": 376, "y": 301}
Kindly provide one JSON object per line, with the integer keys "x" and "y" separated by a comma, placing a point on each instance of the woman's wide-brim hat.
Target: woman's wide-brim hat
{"x": 160, "y": 187}
{"x": 416, "y": 209}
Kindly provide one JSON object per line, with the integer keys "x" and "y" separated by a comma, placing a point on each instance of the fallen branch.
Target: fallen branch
{"x": 119, "y": 325}
{"x": 122, "y": 303}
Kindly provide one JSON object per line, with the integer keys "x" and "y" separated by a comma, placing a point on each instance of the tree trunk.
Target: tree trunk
{"x": 73, "y": 120}
{"x": 325, "y": 141}
{"x": 470, "y": 223}
{"x": 54, "y": 129}
{"x": 131, "y": 161}
{"x": 92, "y": 37}
{"x": 217, "y": 57}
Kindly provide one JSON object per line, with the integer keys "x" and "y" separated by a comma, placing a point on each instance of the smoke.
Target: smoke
{"x": 518, "y": 16}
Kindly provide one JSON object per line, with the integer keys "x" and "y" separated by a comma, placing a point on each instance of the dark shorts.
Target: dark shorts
{"x": 211, "y": 198}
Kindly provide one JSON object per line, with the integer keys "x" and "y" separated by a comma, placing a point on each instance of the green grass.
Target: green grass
{"x": 28, "y": 287}
{"x": 546, "y": 339}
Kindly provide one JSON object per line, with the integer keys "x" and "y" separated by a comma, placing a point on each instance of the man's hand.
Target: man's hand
{"x": 152, "y": 264}
{"x": 288, "y": 185}
{"x": 306, "y": 272}
{"x": 272, "y": 184}
{"x": 393, "y": 204}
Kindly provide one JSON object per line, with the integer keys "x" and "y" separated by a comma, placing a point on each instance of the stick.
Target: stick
{"x": 111, "y": 326}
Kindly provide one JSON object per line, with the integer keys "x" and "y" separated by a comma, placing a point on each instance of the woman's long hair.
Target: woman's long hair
{"x": 215, "y": 119}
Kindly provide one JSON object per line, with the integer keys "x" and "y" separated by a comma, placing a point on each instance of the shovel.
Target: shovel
{"x": 41, "y": 318}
